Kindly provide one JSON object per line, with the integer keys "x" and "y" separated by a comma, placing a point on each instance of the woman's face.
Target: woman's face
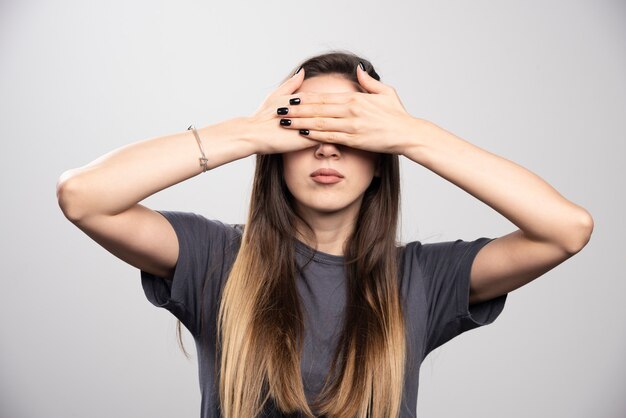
{"x": 356, "y": 168}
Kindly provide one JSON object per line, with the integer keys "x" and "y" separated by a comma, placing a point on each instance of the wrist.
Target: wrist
{"x": 415, "y": 132}
{"x": 233, "y": 131}
{"x": 224, "y": 142}
{"x": 242, "y": 132}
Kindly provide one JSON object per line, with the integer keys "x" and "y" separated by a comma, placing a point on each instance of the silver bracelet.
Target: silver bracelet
{"x": 203, "y": 160}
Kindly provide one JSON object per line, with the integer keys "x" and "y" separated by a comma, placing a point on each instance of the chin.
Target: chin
{"x": 327, "y": 207}
{"x": 329, "y": 210}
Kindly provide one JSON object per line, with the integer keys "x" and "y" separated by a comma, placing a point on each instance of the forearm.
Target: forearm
{"x": 125, "y": 176}
{"x": 521, "y": 196}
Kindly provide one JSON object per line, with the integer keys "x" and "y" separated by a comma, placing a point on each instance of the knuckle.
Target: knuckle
{"x": 320, "y": 124}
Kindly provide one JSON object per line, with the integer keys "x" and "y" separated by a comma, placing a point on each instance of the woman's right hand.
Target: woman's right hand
{"x": 268, "y": 137}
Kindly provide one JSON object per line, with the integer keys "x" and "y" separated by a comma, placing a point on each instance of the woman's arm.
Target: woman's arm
{"x": 101, "y": 198}
{"x": 125, "y": 176}
{"x": 551, "y": 228}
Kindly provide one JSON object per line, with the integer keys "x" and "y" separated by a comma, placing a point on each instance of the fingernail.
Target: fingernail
{"x": 304, "y": 131}
{"x": 294, "y": 101}
{"x": 282, "y": 110}
{"x": 297, "y": 71}
{"x": 362, "y": 66}
{"x": 285, "y": 122}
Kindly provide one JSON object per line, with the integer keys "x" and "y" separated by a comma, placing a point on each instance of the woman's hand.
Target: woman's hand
{"x": 375, "y": 121}
{"x": 264, "y": 128}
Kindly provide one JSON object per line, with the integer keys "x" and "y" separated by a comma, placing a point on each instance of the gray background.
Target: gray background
{"x": 539, "y": 83}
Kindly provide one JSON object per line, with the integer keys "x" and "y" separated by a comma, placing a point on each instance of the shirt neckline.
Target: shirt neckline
{"x": 319, "y": 256}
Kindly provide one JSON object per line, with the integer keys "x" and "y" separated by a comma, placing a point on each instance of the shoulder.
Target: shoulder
{"x": 430, "y": 251}
{"x": 426, "y": 258}
{"x": 409, "y": 252}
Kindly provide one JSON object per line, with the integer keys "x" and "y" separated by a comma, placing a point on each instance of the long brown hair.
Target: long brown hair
{"x": 260, "y": 322}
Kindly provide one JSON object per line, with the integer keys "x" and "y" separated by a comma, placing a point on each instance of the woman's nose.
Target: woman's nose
{"x": 327, "y": 150}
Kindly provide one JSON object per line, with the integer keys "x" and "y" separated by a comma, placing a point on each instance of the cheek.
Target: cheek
{"x": 292, "y": 160}
{"x": 291, "y": 176}
{"x": 365, "y": 162}
{"x": 367, "y": 169}
{"x": 293, "y": 163}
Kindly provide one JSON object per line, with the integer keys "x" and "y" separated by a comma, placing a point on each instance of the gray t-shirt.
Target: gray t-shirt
{"x": 434, "y": 284}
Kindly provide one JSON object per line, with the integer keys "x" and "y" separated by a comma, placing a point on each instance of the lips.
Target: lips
{"x": 326, "y": 172}
{"x": 326, "y": 176}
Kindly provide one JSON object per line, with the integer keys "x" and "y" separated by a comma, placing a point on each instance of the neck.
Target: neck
{"x": 331, "y": 230}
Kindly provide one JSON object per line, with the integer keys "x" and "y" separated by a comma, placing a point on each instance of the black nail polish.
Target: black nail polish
{"x": 298, "y": 70}
{"x": 285, "y": 122}
{"x": 304, "y": 131}
{"x": 282, "y": 110}
{"x": 294, "y": 101}
{"x": 362, "y": 66}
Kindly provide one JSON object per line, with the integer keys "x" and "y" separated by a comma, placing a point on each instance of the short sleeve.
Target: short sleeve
{"x": 446, "y": 267}
{"x": 204, "y": 245}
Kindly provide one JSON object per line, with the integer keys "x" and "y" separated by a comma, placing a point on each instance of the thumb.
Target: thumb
{"x": 368, "y": 82}
{"x": 292, "y": 84}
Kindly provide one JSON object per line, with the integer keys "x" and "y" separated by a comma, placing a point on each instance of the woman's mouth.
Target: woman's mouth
{"x": 326, "y": 176}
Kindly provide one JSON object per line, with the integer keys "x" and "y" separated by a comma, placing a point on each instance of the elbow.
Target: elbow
{"x": 580, "y": 233}
{"x": 67, "y": 192}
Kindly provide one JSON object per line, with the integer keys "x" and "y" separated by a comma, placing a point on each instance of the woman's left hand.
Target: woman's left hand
{"x": 375, "y": 121}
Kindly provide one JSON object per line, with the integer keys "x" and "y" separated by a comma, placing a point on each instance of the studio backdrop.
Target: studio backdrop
{"x": 539, "y": 83}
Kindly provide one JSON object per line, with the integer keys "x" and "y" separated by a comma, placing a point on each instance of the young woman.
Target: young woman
{"x": 312, "y": 308}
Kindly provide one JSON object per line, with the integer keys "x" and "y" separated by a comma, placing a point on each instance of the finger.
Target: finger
{"x": 323, "y": 98}
{"x": 318, "y": 124}
{"x": 331, "y": 137}
{"x": 369, "y": 83}
{"x": 290, "y": 85}
{"x": 314, "y": 110}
